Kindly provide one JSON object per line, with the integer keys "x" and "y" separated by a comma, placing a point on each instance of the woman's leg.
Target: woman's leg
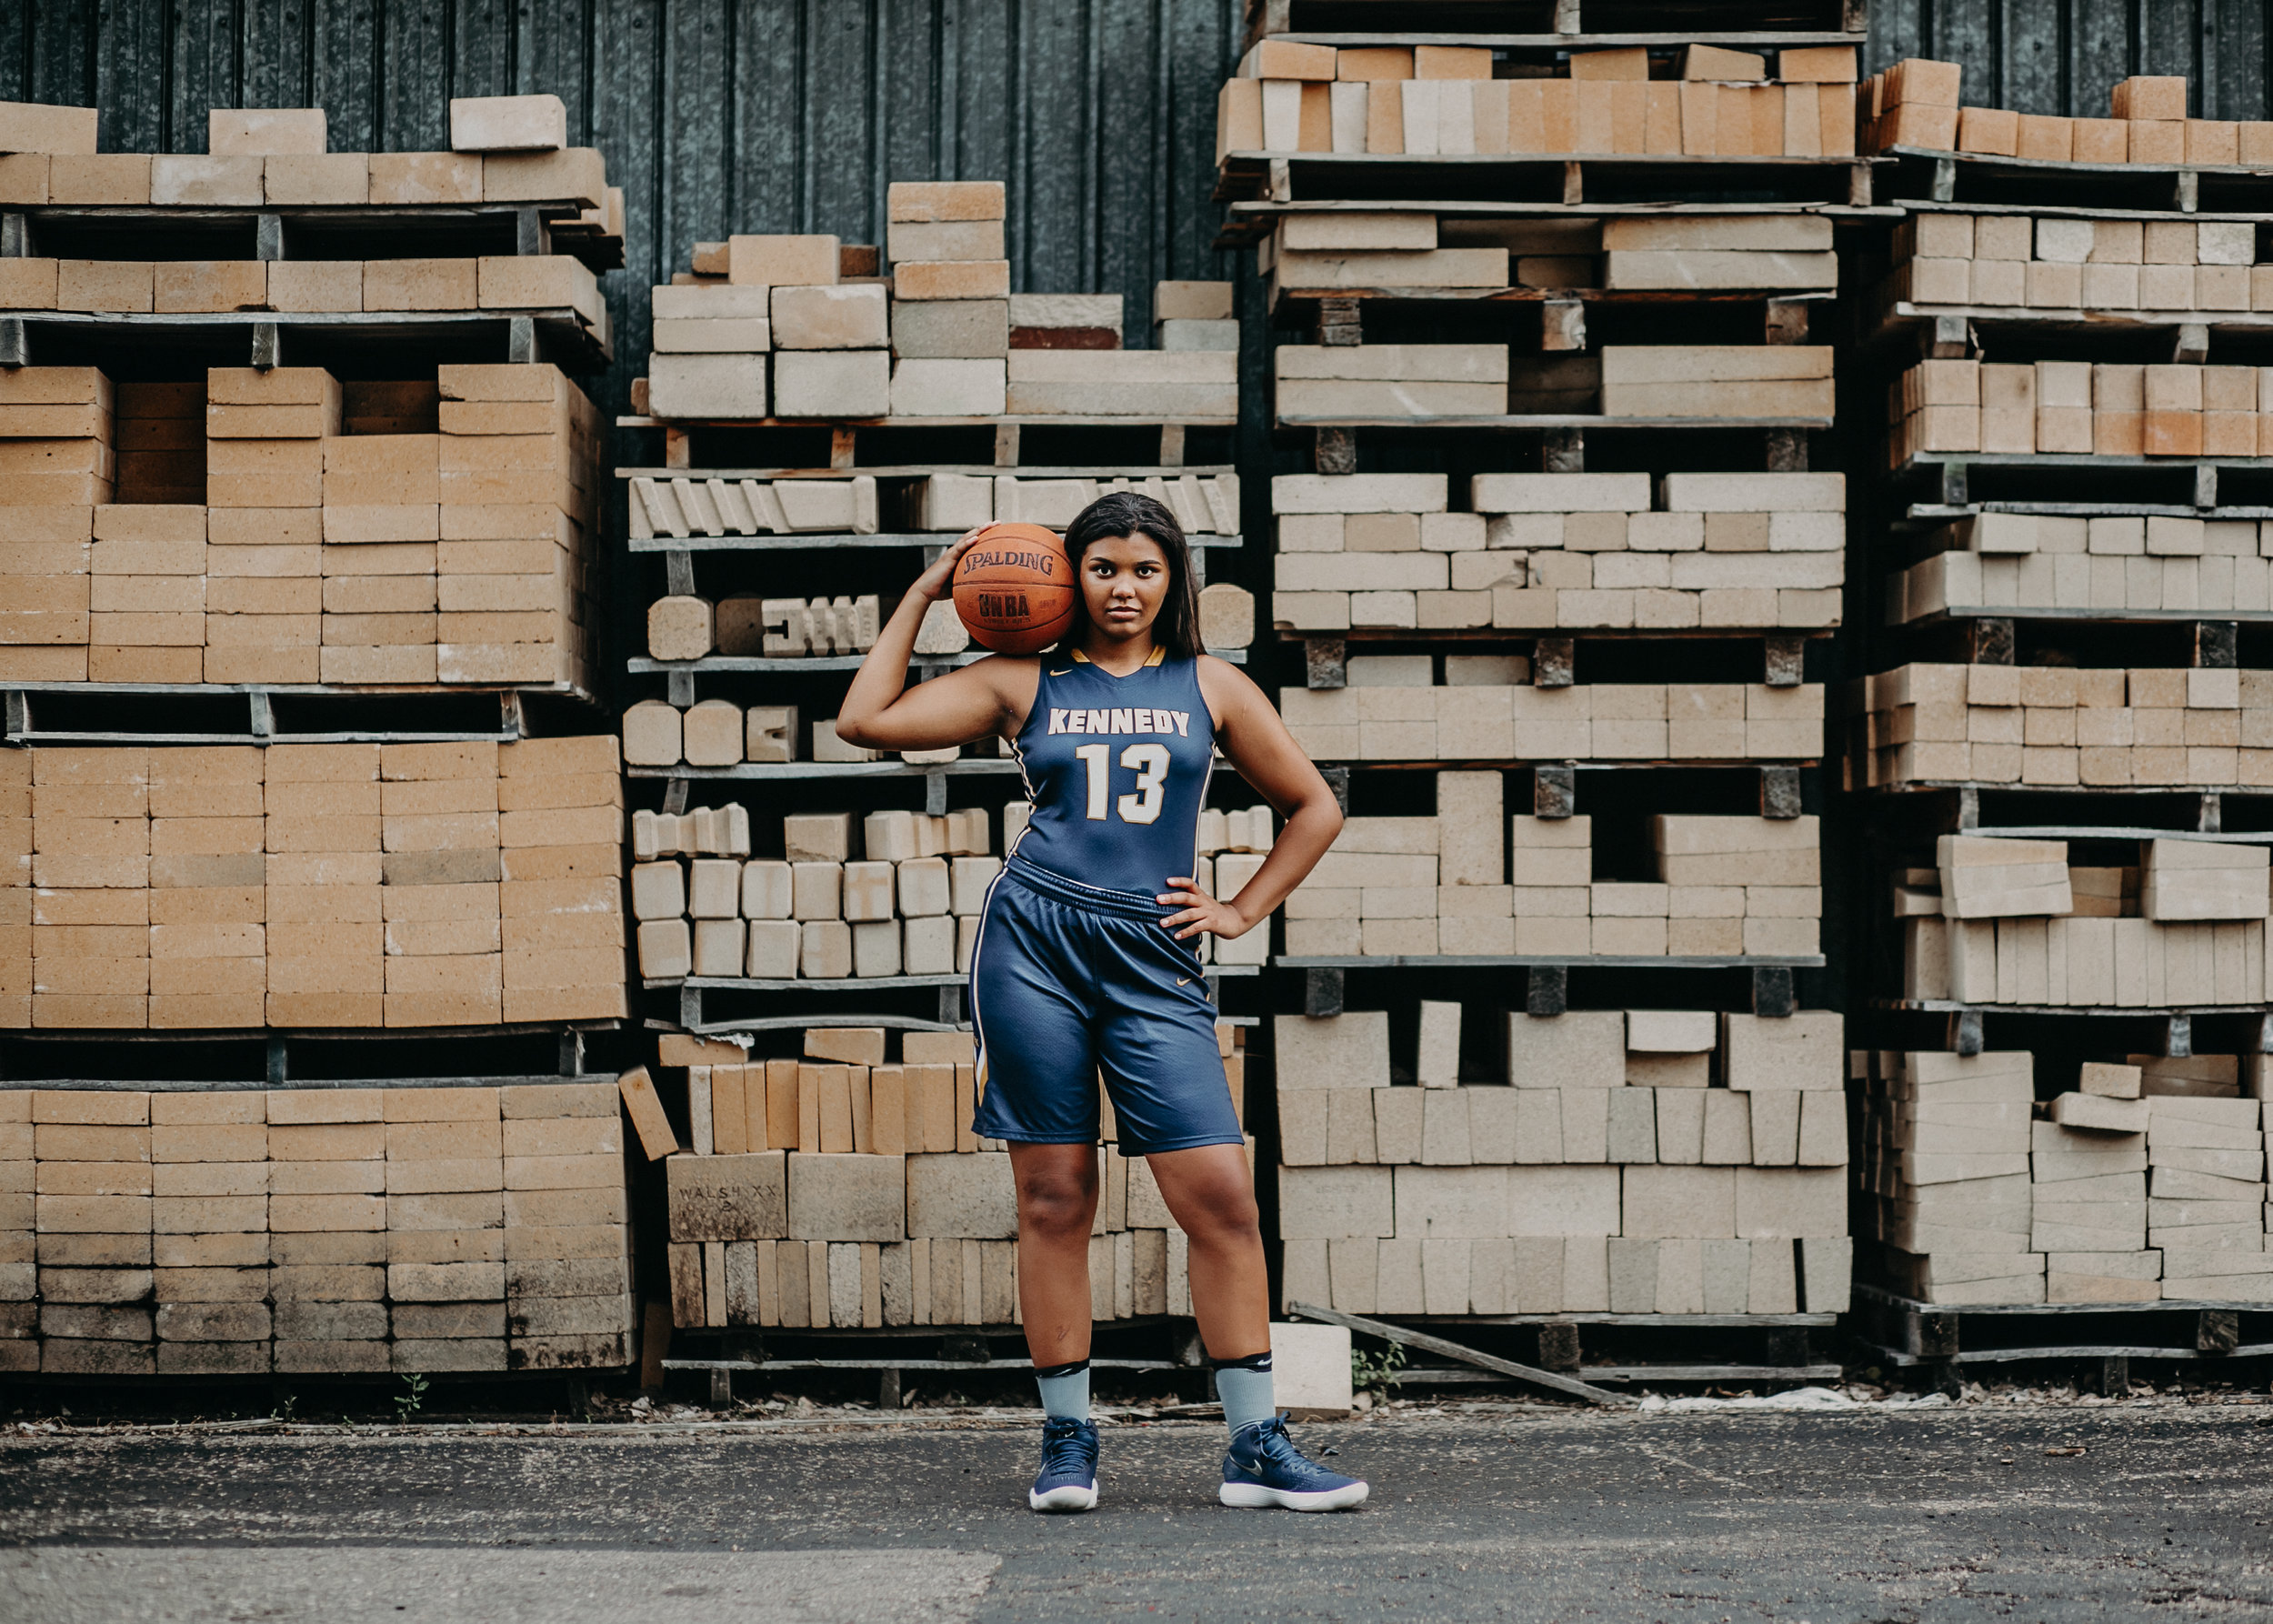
{"x": 1057, "y": 1202}
{"x": 1211, "y": 1195}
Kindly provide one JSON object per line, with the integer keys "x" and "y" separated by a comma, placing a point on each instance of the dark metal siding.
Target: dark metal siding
{"x": 2061, "y": 55}
{"x": 720, "y": 115}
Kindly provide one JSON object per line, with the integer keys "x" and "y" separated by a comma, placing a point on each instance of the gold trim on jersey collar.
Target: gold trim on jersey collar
{"x": 1155, "y": 657}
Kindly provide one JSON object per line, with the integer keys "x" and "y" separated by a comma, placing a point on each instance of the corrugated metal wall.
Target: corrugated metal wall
{"x": 719, "y": 115}
{"x": 792, "y": 115}
{"x": 2061, "y": 55}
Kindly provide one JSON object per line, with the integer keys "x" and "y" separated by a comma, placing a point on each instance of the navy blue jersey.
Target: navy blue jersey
{"x": 1117, "y": 768}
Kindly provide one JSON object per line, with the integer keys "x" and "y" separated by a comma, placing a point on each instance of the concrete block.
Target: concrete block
{"x": 1688, "y": 1202}
{"x": 1437, "y": 1061}
{"x": 1632, "y": 1126}
{"x": 729, "y": 1198}
{"x": 1778, "y": 1203}
{"x": 951, "y": 329}
{"x": 1330, "y": 1203}
{"x": 847, "y": 1197}
{"x": 1340, "y": 1051}
{"x": 239, "y": 132}
{"x": 833, "y": 383}
{"x": 508, "y": 123}
{"x": 707, "y": 385}
{"x": 1310, "y": 1370}
{"x": 848, "y": 317}
{"x": 1564, "y": 1200}
{"x": 1804, "y": 1051}
{"x": 961, "y": 1196}
{"x": 1578, "y": 1050}
{"x": 940, "y": 387}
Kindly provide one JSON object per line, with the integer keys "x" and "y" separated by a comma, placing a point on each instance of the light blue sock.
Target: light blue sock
{"x": 1245, "y": 1387}
{"x": 1064, "y": 1390}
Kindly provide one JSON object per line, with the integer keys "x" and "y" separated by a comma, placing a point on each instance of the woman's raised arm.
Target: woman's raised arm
{"x": 880, "y": 711}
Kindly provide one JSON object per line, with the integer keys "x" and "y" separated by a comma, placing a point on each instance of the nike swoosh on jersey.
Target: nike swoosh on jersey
{"x": 1066, "y": 672}
{"x": 1183, "y": 981}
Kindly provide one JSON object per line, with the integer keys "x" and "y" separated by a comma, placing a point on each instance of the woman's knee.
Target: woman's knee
{"x": 1223, "y": 1211}
{"x": 1057, "y": 1202}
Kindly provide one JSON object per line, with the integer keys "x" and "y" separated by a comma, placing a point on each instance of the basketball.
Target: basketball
{"x": 1015, "y": 588}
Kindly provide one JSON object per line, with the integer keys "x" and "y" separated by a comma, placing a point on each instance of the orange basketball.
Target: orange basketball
{"x": 1015, "y": 588}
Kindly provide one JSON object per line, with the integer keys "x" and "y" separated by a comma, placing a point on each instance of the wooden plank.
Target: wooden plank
{"x": 1428, "y": 1344}
{"x": 1434, "y": 1376}
{"x": 1880, "y": 1294}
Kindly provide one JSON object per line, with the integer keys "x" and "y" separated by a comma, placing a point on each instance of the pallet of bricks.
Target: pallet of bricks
{"x": 2064, "y": 748}
{"x": 829, "y": 1188}
{"x": 335, "y": 1230}
{"x": 1544, "y": 113}
{"x": 297, "y": 530}
{"x": 1614, "y": 1106}
{"x": 807, "y": 909}
{"x": 334, "y": 522}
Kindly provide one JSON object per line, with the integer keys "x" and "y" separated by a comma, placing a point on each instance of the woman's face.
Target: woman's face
{"x": 1124, "y": 582}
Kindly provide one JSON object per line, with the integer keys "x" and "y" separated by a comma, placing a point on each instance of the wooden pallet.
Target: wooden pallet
{"x": 696, "y": 1015}
{"x": 283, "y": 337}
{"x": 299, "y": 714}
{"x": 680, "y": 445}
{"x": 891, "y": 1372}
{"x": 1773, "y": 989}
{"x": 1989, "y": 180}
{"x": 335, "y": 231}
{"x": 1912, "y": 1335}
{"x": 1575, "y": 180}
{"x": 2082, "y": 482}
{"x": 416, "y": 1056}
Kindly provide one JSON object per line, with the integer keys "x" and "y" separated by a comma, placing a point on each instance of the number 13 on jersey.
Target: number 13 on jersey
{"x": 1151, "y": 764}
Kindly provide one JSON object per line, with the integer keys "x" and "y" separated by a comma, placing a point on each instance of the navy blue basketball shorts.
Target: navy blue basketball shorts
{"x": 1068, "y": 980}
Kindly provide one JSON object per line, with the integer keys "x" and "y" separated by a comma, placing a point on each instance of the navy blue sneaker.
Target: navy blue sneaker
{"x": 1265, "y": 1469}
{"x": 1068, "y": 1479}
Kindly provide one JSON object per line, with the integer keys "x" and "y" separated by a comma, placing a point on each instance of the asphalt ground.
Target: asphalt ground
{"x": 2009, "y": 1512}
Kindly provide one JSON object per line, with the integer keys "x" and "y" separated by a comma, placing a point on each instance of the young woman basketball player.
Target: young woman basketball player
{"x": 1086, "y": 959}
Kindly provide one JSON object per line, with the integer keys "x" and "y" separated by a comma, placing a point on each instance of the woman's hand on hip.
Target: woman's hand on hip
{"x": 1202, "y": 914}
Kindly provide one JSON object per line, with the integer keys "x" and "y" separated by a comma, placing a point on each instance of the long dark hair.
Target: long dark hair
{"x": 1131, "y": 513}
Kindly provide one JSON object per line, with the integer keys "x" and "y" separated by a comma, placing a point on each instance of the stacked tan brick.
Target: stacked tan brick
{"x": 1642, "y": 1162}
{"x": 843, "y": 1190}
{"x": 387, "y": 534}
{"x": 313, "y": 886}
{"x": 313, "y": 1230}
{"x": 804, "y": 328}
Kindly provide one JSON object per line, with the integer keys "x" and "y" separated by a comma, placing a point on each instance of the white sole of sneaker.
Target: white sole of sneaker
{"x": 1068, "y": 1499}
{"x": 1256, "y": 1496}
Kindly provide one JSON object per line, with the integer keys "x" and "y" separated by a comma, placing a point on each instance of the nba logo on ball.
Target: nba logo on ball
{"x": 1014, "y": 588}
